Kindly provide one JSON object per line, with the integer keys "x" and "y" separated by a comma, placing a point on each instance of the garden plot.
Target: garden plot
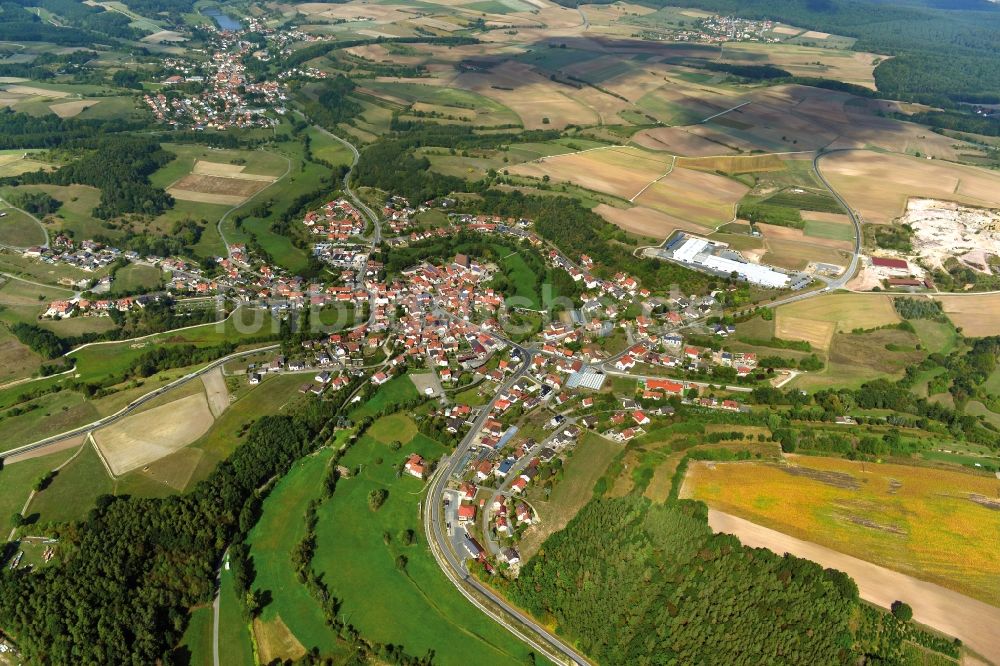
{"x": 216, "y": 183}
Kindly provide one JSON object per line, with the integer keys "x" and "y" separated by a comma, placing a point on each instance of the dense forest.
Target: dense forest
{"x": 120, "y": 167}
{"x": 632, "y": 582}
{"x": 135, "y": 566}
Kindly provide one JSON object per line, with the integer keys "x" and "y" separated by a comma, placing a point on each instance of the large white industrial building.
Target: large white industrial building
{"x": 699, "y": 252}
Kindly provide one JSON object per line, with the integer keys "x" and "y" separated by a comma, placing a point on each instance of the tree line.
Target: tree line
{"x": 632, "y": 582}
{"x": 118, "y": 165}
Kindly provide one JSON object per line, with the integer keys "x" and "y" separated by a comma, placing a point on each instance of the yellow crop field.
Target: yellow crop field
{"x": 937, "y": 525}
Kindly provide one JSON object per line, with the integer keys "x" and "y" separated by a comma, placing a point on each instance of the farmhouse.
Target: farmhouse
{"x": 416, "y": 466}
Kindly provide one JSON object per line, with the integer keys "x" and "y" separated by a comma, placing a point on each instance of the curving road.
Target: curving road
{"x": 362, "y": 206}
{"x": 225, "y": 216}
{"x": 515, "y": 621}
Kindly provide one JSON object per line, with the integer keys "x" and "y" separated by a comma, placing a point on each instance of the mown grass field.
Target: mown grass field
{"x": 417, "y": 608}
{"x": 397, "y": 390}
{"x": 279, "y": 529}
{"x": 74, "y": 490}
{"x": 917, "y": 520}
{"x": 234, "y": 634}
{"x": 136, "y": 277}
{"x": 19, "y": 230}
{"x": 197, "y": 639}
{"x": 18, "y": 479}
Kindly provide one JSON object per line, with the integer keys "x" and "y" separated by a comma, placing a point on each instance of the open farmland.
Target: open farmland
{"x": 935, "y": 524}
{"x": 978, "y": 315}
{"x": 215, "y": 183}
{"x": 816, "y": 320}
{"x": 878, "y": 185}
{"x": 140, "y": 439}
{"x": 16, "y": 162}
{"x": 734, "y": 164}
{"x": 539, "y": 102}
{"x": 447, "y": 102}
{"x": 620, "y": 171}
{"x": 792, "y": 118}
{"x": 646, "y": 221}
{"x": 849, "y": 66}
{"x": 703, "y": 198}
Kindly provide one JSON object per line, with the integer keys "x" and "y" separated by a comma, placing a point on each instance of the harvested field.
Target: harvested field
{"x": 620, "y": 171}
{"x": 70, "y": 109}
{"x": 164, "y": 36}
{"x": 923, "y": 521}
{"x": 792, "y": 235}
{"x": 816, "y": 333}
{"x": 216, "y": 391}
{"x": 143, "y": 438}
{"x": 646, "y": 221}
{"x": 879, "y": 185}
{"x": 734, "y": 163}
{"x": 216, "y": 189}
{"x": 696, "y": 196}
{"x": 203, "y": 168}
{"x": 36, "y": 92}
{"x": 533, "y": 97}
{"x": 949, "y": 612}
{"x": 849, "y": 66}
{"x": 977, "y": 315}
{"x": 816, "y": 319}
{"x": 680, "y": 141}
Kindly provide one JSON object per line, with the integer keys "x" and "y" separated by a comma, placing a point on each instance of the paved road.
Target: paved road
{"x": 509, "y": 617}
{"x": 37, "y": 221}
{"x": 132, "y": 406}
{"x": 362, "y": 206}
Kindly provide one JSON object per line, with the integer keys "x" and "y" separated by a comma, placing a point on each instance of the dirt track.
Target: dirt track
{"x": 976, "y": 623}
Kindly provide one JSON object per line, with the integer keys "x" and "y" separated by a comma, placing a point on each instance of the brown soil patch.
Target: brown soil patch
{"x": 814, "y": 216}
{"x": 216, "y": 391}
{"x": 203, "y": 168}
{"x": 619, "y": 171}
{"x": 774, "y": 232}
{"x": 215, "y": 189}
{"x": 978, "y": 316}
{"x": 533, "y": 97}
{"x": 702, "y": 198}
{"x": 276, "y": 641}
